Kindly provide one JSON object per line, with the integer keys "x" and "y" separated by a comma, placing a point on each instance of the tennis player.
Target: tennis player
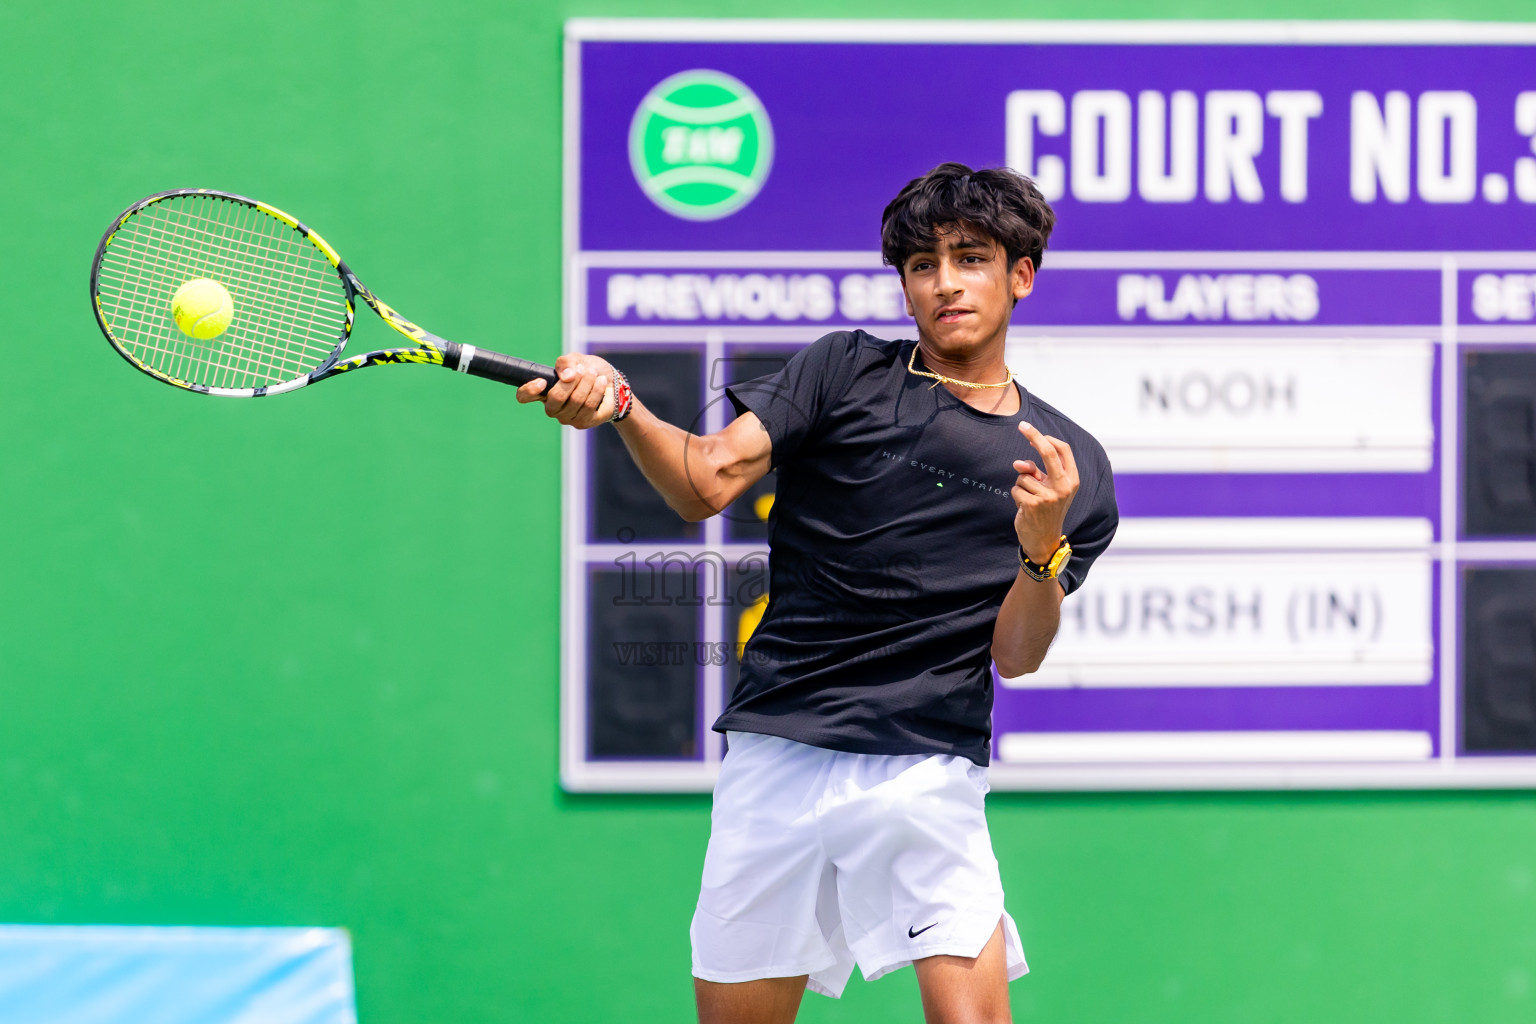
{"x": 930, "y": 515}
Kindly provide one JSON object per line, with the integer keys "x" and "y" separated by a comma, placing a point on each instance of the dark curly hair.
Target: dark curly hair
{"x": 1002, "y": 203}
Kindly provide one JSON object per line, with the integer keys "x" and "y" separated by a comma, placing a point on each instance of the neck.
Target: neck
{"x": 983, "y": 365}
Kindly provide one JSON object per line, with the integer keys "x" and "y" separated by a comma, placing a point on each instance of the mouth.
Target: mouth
{"x": 951, "y": 314}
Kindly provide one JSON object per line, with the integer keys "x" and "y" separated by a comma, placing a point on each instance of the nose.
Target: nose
{"x": 946, "y": 281}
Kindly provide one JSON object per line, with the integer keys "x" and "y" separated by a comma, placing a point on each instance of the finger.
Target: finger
{"x": 584, "y": 413}
{"x": 1067, "y": 458}
{"x": 560, "y": 392}
{"x": 1050, "y": 455}
{"x": 598, "y": 392}
{"x": 607, "y": 406}
{"x": 1055, "y": 465}
{"x": 579, "y": 392}
{"x": 1046, "y": 446}
{"x": 599, "y": 405}
{"x": 533, "y": 391}
{"x": 1036, "y": 440}
{"x": 1027, "y": 468}
{"x": 1026, "y": 501}
{"x": 554, "y": 405}
{"x": 1039, "y": 488}
{"x": 565, "y": 375}
{"x": 568, "y": 392}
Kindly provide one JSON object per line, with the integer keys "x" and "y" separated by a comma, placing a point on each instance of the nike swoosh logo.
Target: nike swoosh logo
{"x": 914, "y": 934}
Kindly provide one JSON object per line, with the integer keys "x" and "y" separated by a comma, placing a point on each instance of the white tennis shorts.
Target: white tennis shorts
{"x": 820, "y": 859}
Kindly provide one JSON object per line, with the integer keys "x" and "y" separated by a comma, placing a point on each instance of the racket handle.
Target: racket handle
{"x": 495, "y": 366}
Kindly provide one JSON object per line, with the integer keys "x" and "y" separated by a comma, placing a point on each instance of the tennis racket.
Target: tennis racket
{"x": 291, "y": 299}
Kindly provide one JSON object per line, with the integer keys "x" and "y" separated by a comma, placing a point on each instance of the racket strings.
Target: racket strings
{"x": 241, "y": 356}
{"x": 281, "y": 270}
{"x": 272, "y": 270}
{"x": 234, "y": 231}
{"x": 181, "y": 355}
{"x": 289, "y": 302}
{"x": 150, "y": 270}
{"x": 295, "y": 271}
{"x": 234, "y": 359}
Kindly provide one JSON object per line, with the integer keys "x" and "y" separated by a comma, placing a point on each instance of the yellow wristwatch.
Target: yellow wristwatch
{"x": 1051, "y": 569}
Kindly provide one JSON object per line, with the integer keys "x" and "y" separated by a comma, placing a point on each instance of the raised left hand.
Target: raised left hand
{"x": 1043, "y": 494}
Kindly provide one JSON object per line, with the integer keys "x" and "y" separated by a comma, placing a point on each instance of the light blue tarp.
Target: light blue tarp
{"x": 141, "y": 975}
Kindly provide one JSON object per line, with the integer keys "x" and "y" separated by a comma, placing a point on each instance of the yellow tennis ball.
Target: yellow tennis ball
{"x": 202, "y": 308}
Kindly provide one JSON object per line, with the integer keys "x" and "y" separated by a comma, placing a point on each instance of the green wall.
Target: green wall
{"x": 295, "y": 662}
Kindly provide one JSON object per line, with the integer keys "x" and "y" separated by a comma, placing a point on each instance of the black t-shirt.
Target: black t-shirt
{"x": 891, "y": 547}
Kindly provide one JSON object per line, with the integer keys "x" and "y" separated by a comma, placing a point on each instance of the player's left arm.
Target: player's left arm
{"x": 1031, "y": 611}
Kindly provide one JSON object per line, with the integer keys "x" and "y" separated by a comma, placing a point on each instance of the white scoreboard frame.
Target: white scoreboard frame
{"x": 1446, "y": 770}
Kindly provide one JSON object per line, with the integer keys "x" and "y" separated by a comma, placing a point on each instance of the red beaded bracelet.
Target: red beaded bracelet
{"x": 623, "y": 397}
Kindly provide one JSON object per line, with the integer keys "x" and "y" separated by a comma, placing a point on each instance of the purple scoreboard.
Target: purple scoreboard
{"x": 1292, "y": 290}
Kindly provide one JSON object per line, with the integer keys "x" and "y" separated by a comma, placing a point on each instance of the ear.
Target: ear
{"x": 907, "y": 298}
{"x": 1022, "y": 278}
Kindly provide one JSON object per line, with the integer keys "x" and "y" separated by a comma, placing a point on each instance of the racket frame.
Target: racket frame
{"x": 429, "y": 348}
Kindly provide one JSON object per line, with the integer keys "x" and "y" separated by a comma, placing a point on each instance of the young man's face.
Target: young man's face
{"x": 961, "y": 292}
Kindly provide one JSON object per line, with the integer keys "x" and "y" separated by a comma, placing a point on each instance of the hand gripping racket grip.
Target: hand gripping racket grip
{"x": 507, "y": 369}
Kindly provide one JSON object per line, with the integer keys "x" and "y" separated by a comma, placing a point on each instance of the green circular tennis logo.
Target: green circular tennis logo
{"x": 701, "y": 145}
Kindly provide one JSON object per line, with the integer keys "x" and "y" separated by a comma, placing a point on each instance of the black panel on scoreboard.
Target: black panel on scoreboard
{"x": 1499, "y": 444}
{"x": 642, "y": 679}
{"x": 1499, "y": 684}
{"x": 747, "y": 518}
{"x": 624, "y": 506}
{"x": 742, "y": 363}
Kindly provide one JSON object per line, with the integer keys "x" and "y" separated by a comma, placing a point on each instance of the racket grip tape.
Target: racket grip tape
{"x": 495, "y": 366}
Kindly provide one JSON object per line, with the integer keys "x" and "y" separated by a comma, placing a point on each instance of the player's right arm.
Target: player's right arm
{"x": 698, "y": 476}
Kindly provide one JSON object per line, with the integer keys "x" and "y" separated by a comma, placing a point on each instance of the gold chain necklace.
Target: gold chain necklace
{"x": 939, "y": 378}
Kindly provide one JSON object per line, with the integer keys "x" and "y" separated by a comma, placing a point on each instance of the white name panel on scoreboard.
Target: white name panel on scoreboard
{"x": 1310, "y": 603}
{"x": 1172, "y": 405}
